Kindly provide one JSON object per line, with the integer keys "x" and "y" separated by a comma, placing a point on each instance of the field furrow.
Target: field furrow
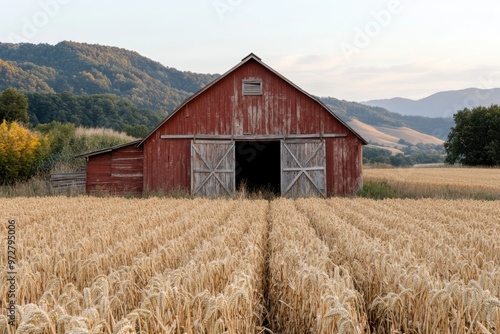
{"x": 308, "y": 292}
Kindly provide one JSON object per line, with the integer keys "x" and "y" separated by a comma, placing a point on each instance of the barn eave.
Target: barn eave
{"x": 108, "y": 149}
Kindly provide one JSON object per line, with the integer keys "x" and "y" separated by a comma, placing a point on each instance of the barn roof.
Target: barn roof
{"x": 248, "y": 58}
{"x": 108, "y": 149}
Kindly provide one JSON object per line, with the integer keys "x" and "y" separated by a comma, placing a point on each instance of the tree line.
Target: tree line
{"x": 39, "y": 131}
{"x": 412, "y": 154}
{"x": 475, "y": 138}
{"x": 100, "y": 110}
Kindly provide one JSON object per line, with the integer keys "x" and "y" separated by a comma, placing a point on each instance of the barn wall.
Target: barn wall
{"x": 167, "y": 165}
{"x": 344, "y": 165}
{"x": 117, "y": 172}
{"x": 221, "y": 109}
{"x": 98, "y": 172}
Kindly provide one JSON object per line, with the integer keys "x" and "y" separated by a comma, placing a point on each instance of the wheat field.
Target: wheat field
{"x": 448, "y": 183}
{"x": 339, "y": 265}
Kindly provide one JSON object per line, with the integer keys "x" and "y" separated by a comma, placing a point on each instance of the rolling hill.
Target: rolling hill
{"x": 380, "y": 117}
{"x": 442, "y": 104}
{"x": 389, "y": 137}
{"x": 85, "y": 69}
{"x": 95, "y": 69}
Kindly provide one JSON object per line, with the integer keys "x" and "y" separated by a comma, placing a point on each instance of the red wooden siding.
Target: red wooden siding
{"x": 117, "y": 172}
{"x": 222, "y": 109}
{"x": 167, "y": 164}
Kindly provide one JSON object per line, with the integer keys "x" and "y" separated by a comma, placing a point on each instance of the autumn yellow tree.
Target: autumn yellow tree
{"x": 20, "y": 151}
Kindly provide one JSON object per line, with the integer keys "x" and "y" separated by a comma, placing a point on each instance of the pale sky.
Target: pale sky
{"x": 354, "y": 50}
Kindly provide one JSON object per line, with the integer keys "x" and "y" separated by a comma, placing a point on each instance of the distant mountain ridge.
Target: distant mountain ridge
{"x": 441, "y": 104}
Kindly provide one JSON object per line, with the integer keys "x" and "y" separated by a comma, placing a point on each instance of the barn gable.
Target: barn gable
{"x": 270, "y": 112}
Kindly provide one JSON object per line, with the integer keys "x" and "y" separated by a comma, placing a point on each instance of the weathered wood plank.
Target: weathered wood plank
{"x": 212, "y": 168}
{"x": 116, "y": 172}
{"x": 67, "y": 183}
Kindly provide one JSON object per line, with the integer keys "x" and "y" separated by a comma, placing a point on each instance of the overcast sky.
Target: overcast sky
{"x": 355, "y": 50}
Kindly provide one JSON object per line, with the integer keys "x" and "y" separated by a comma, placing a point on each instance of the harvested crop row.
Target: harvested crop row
{"x": 402, "y": 292}
{"x": 79, "y": 263}
{"x": 308, "y": 293}
{"x": 219, "y": 290}
{"x": 443, "y": 234}
{"x": 117, "y": 292}
{"x": 111, "y": 265}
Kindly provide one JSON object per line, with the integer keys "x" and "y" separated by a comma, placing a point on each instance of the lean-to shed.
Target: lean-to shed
{"x": 251, "y": 126}
{"x": 116, "y": 170}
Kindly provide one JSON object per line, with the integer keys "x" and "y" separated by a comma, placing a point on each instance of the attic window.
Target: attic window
{"x": 252, "y": 87}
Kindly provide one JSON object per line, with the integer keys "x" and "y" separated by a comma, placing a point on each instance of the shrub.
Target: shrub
{"x": 20, "y": 152}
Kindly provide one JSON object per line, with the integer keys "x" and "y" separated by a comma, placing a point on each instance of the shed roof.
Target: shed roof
{"x": 108, "y": 149}
{"x": 248, "y": 58}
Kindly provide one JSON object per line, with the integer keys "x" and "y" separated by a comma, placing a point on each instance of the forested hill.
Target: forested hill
{"x": 95, "y": 69}
{"x": 61, "y": 81}
{"x": 96, "y": 110}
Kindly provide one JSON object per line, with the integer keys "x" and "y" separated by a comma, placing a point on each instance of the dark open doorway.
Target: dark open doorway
{"x": 258, "y": 166}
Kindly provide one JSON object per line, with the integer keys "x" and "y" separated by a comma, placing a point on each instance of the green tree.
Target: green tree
{"x": 374, "y": 152}
{"x": 60, "y": 135}
{"x": 475, "y": 138}
{"x": 103, "y": 110}
{"x": 13, "y": 106}
{"x": 136, "y": 131}
{"x": 400, "y": 160}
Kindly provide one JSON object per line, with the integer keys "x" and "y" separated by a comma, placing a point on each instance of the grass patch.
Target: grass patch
{"x": 34, "y": 187}
{"x": 377, "y": 190}
{"x": 384, "y": 188}
{"x": 173, "y": 193}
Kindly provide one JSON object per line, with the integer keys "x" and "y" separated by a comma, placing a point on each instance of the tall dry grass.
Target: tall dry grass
{"x": 103, "y": 132}
{"x": 36, "y": 186}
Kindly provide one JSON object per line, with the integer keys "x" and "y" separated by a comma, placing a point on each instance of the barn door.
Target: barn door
{"x": 303, "y": 171}
{"x": 212, "y": 168}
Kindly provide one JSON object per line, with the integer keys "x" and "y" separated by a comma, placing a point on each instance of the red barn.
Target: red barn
{"x": 251, "y": 126}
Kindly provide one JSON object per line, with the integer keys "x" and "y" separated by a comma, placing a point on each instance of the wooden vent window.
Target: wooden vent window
{"x": 252, "y": 87}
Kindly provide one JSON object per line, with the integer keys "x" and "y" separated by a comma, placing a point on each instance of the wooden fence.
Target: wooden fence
{"x": 67, "y": 183}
